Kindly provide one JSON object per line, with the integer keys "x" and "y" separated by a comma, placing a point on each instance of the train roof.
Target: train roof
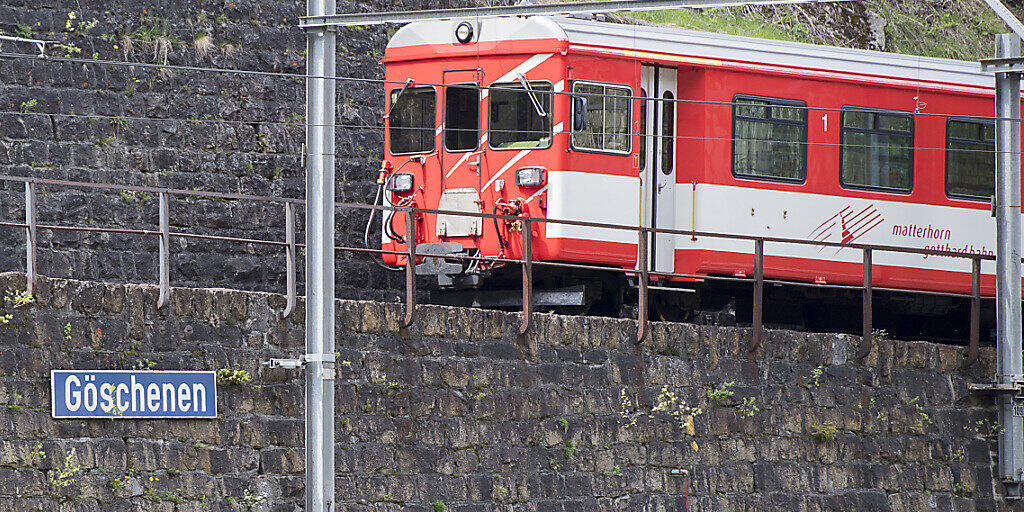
{"x": 581, "y": 34}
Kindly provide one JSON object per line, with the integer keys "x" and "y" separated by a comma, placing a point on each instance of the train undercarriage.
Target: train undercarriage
{"x": 796, "y": 306}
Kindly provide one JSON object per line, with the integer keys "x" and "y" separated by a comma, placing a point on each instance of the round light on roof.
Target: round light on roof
{"x": 464, "y": 32}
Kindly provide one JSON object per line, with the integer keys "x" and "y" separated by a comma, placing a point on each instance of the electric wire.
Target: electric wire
{"x": 296, "y": 76}
{"x": 118, "y": 119}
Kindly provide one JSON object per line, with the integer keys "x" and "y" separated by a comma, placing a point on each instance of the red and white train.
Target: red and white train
{"x": 751, "y": 136}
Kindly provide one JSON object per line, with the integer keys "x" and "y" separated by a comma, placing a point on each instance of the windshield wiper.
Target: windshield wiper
{"x": 533, "y": 96}
{"x": 408, "y": 83}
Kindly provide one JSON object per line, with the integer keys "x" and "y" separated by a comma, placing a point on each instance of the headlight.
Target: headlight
{"x": 530, "y": 177}
{"x": 464, "y": 32}
{"x": 399, "y": 183}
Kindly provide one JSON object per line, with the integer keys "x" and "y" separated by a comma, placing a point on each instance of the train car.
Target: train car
{"x": 564, "y": 118}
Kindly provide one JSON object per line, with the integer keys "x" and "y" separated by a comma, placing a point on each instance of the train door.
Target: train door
{"x": 460, "y": 153}
{"x": 658, "y": 162}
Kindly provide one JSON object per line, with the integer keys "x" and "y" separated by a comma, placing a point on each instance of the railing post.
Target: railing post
{"x": 165, "y": 251}
{"x": 758, "y": 310}
{"x": 410, "y": 268}
{"x": 972, "y": 351}
{"x": 643, "y": 276}
{"x": 527, "y": 277}
{"x": 867, "y": 339}
{"x": 31, "y": 264}
{"x": 289, "y": 236}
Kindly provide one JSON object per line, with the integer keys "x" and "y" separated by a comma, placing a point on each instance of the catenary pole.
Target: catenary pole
{"x": 319, "y": 368}
{"x": 1008, "y": 265}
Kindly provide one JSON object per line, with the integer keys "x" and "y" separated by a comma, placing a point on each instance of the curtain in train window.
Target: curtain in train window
{"x": 769, "y": 139}
{"x": 515, "y": 122}
{"x": 411, "y": 120}
{"x": 970, "y": 159}
{"x": 461, "y": 117}
{"x": 603, "y": 124}
{"x": 877, "y": 150}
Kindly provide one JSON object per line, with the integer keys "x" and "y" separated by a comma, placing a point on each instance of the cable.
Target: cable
{"x": 366, "y": 233}
{"x": 431, "y": 129}
{"x": 497, "y": 230}
{"x": 427, "y": 84}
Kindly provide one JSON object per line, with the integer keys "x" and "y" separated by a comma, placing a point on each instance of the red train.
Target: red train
{"x": 652, "y": 126}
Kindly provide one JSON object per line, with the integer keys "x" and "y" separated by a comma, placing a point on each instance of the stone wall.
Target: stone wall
{"x": 457, "y": 411}
{"x": 183, "y": 129}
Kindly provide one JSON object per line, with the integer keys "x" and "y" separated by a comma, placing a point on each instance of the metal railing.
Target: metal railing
{"x": 527, "y": 262}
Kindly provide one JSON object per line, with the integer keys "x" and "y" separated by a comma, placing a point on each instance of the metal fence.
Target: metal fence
{"x": 527, "y": 262}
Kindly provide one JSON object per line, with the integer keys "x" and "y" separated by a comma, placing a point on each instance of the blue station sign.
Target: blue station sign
{"x": 133, "y": 394}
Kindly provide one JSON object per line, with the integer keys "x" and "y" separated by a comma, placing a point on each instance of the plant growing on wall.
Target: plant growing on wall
{"x": 66, "y": 474}
{"x": 671, "y": 404}
{"x": 825, "y": 431}
{"x": 233, "y": 376}
{"x": 722, "y": 394}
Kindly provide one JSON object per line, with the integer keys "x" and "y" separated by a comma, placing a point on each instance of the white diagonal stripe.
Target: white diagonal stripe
{"x": 521, "y": 69}
{"x": 537, "y": 194}
{"x": 465, "y": 156}
{"x": 519, "y": 156}
{"x": 483, "y": 140}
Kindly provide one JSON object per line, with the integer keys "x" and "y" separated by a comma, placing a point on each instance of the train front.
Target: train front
{"x": 472, "y": 125}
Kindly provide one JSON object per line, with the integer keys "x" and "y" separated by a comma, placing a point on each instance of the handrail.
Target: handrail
{"x": 642, "y": 272}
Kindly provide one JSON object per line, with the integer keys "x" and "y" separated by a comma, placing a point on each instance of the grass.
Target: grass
{"x": 955, "y": 29}
{"x": 723, "y": 20}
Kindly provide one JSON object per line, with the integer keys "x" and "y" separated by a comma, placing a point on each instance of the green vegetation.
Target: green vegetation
{"x": 726, "y": 20}
{"x": 985, "y": 428}
{"x": 14, "y": 300}
{"x": 33, "y": 456}
{"x": 918, "y": 417}
{"x": 233, "y": 376}
{"x": 569, "y": 449}
{"x": 721, "y": 394}
{"x": 65, "y": 475}
{"x": 956, "y": 29}
{"x": 27, "y": 106}
{"x": 814, "y": 380}
{"x": 749, "y": 407}
{"x": 131, "y": 195}
{"x": 15, "y": 405}
{"x": 825, "y": 431}
{"x": 439, "y": 506}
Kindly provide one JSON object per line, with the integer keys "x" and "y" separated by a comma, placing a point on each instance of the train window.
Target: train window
{"x": 515, "y": 122}
{"x": 668, "y": 132}
{"x": 970, "y": 158}
{"x": 461, "y": 117}
{"x": 769, "y": 138}
{"x": 411, "y": 120}
{"x": 606, "y": 117}
{"x": 877, "y": 149}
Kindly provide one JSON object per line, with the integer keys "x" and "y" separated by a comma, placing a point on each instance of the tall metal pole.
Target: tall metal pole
{"x": 320, "y": 45}
{"x": 1008, "y": 264}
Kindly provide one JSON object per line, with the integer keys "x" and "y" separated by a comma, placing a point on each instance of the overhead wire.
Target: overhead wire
{"x": 296, "y": 76}
{"x": 121, "y": 118}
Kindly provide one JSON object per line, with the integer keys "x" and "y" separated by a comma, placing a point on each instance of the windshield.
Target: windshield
{"x": 514, "y": 120}
{"x": 412, "y": 120}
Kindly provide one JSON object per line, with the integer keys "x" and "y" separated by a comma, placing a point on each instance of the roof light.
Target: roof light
{"x": 464, "y": 32}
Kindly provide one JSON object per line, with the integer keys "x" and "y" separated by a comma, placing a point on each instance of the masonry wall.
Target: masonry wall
{"x": 182, "y": 129}
{"x": 458, "y": 411}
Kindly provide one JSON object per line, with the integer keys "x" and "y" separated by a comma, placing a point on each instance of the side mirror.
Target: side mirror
{"x": 579, "y": 113}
